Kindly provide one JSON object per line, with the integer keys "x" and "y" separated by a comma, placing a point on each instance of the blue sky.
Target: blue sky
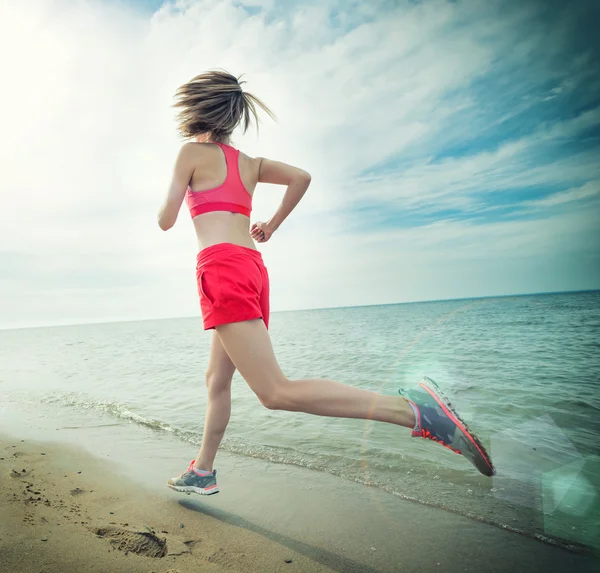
{"x": 147, "y": 6}
{"x": 511, "y": 99}
{"x": 454, "y": 148}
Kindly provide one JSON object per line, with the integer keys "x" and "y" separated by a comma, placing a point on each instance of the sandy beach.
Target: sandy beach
{"x": 63, "y": 511}
{"x": 66, "y": 510}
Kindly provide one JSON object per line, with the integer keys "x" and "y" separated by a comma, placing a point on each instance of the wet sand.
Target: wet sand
{"x": 65, "y": 510}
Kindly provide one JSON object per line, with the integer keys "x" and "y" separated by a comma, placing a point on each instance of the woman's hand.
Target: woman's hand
{"x": 261, "y": 232}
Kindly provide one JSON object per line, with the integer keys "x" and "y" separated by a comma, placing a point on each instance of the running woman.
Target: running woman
{"x": 218, "y": 182}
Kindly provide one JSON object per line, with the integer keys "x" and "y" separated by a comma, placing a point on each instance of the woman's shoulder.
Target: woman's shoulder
{"x": 195, "y": 147}
{"x": 196, "y": 151}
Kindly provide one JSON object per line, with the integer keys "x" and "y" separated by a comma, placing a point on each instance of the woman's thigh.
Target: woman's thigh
{"x": 249, "y": 347}
{"x": 220, "y": 367}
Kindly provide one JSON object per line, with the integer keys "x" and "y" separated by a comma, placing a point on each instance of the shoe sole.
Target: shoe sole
{"x": 192, "y": 489}
{"x": 446, "y": 406}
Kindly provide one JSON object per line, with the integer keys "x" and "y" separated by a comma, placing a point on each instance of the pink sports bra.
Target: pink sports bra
{"x": 231, "y": 195}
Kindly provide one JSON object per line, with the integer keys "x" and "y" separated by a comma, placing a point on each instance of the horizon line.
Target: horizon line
{"x": 121, "y": 321}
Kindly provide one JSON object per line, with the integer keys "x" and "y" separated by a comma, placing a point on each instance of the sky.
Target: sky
{"x": 454, "y": 148}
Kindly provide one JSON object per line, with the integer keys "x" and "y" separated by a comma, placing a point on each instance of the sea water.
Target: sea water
{"x": 523, "y": 371}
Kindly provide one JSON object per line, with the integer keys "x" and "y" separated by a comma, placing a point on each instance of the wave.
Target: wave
{"x": 290, "y": 456}
{"x": 578, "y": 404}
{"x": 112, "y": 408}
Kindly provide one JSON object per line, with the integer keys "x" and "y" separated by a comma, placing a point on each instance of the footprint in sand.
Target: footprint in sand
{"x": 225, "y": 559}
{"x": 140, "y": 542}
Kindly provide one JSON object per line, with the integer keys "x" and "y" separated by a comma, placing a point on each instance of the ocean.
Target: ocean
{"x": 523, "y": 371}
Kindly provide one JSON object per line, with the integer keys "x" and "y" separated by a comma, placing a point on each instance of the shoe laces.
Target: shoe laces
{"x": 190, "y": 467}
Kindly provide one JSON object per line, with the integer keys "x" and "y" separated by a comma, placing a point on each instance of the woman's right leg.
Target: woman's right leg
{"x": 249, "y": 346}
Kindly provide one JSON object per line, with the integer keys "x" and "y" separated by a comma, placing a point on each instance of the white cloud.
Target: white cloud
{"x": 88, "y": 142}
{"x": 459, "y": 182}
{"x": 589, "y": 189}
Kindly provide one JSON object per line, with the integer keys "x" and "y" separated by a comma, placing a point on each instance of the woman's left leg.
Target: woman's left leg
{"x": 200, "y": 477}
{"x": 218, "y": 409}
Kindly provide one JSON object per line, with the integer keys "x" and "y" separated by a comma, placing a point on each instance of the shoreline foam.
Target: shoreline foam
{"x": 267, "y": 513}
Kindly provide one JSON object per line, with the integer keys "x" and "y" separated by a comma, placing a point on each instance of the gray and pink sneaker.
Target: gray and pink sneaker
{"x": 195, "y": 481}
{"x": 437, "y": 421}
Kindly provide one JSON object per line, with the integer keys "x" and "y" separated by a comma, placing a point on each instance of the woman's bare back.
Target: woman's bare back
{"x": 210, "y": 171}
{"x": 202, "y": 167}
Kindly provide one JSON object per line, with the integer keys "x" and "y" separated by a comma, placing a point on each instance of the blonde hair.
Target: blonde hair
{"x": 215, "y": 103}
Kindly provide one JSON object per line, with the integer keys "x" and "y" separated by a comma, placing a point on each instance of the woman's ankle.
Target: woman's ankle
{"x": 203, "y": 467}
{"x": 202, "y": 464}
{"x": 406, "y": 415}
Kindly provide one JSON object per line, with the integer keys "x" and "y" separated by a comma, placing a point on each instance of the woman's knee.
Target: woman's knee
{"x": 278, "y": 397}
{"x": 218, "y": 382}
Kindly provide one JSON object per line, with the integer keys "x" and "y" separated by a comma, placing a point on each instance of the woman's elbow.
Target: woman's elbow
{"x": 304, "y": 177}
{"x": 164, "y": 223}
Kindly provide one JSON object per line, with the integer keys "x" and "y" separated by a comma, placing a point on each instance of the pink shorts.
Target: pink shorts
{"x": 233, "y": 285}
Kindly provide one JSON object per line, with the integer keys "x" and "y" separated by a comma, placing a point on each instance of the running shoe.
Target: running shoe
{"x": 437, "y": 421}
{"x": 191, "y": 482}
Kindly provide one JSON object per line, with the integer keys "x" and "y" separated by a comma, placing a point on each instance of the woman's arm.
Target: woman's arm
{"x": 182, "y": 174}
{"x": 297, "y": 181}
